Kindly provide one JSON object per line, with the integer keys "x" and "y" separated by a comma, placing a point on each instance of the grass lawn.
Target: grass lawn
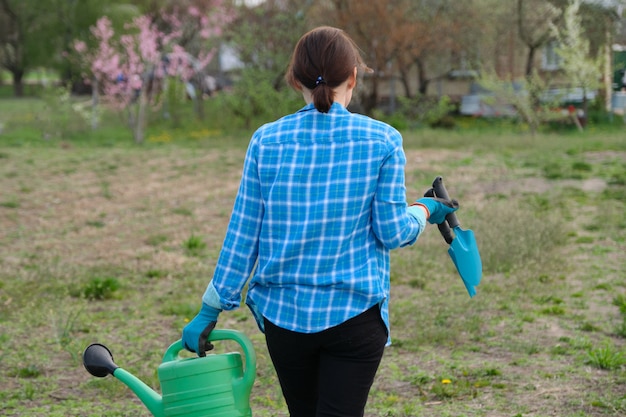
{"x": 114, "y": 243}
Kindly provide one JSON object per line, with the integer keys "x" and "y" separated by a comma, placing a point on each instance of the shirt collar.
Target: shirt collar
{"x": 335, "y": 108}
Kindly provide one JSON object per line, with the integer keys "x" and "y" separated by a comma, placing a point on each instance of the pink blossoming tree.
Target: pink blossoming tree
{"x": 128, "y": 71}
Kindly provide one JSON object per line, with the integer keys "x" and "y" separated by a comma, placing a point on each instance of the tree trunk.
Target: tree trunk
{"x": 404, "y": 79}
{"x": 94, "y": 105}
{"x": 18, "y": 84}
{"x": 145, "y": 94}
{"x": 422, "y": 81}
{"x": 200, "y": 105}
{"x": 404, "y": 69}
{"x": 140, "y": 123}
{"x": 530, "y": 59}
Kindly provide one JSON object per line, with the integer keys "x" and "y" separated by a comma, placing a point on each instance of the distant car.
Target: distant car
{"x": 483, "y": 103}
{"x": 618, "y": 102}
{"x": 568, "y": 96}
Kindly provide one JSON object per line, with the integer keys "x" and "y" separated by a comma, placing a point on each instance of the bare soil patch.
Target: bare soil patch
{"x": 135, "y": 211}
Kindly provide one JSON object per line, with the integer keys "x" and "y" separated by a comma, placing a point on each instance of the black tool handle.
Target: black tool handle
{"x": 441, "y": 192}
{"x": 444, "y": 229}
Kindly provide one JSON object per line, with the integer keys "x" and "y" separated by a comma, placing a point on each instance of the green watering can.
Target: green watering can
{"x": 209, "y": 386}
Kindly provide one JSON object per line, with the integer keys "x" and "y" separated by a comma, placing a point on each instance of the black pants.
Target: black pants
{"x": 330, "y": 373}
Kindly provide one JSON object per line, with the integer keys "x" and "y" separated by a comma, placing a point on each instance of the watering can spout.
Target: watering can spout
{"x": 98, "y": 361}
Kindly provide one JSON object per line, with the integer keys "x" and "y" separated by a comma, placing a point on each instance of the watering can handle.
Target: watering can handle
{"x": 441, "y": 192}
{"x": 171, "y": 354}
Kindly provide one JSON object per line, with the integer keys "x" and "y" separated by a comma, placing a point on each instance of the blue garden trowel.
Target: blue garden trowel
{"x": 463, "y": 248}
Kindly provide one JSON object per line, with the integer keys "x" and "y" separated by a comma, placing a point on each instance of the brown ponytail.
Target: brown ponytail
{"x": 323, "y": 59}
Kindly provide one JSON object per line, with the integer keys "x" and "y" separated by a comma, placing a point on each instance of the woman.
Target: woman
{"x": 320, "y": 205}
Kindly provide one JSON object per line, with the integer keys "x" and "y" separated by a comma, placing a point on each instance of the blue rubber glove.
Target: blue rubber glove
{"x": 196, "y": 333}
{"x": 438, "y": 208}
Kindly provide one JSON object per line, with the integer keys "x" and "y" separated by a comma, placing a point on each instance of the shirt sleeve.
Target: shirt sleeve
{"x": 393, "y": 224}
{"x": 240, "y": 249}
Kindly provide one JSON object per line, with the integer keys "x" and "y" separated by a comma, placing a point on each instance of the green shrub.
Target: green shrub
{"x": 618, "y": 177}
{"x": 605, "y": 357}
{"x": 11, "y": 203}
{"x": 30, "y": 371}
{"x": 194, "y": 245}
{"x": 620, "y": 302}
{"x": 101, "y": 288}
{"x": 446, "y": 388}
{"x": 432, "y": 112}
{"x": 255, "y": 100}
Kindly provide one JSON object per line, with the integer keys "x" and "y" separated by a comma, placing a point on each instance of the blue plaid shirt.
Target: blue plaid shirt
{"x": 322, "y": 201}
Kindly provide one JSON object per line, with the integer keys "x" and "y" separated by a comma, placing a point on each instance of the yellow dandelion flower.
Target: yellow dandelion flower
{"x": 446, "y": 381}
